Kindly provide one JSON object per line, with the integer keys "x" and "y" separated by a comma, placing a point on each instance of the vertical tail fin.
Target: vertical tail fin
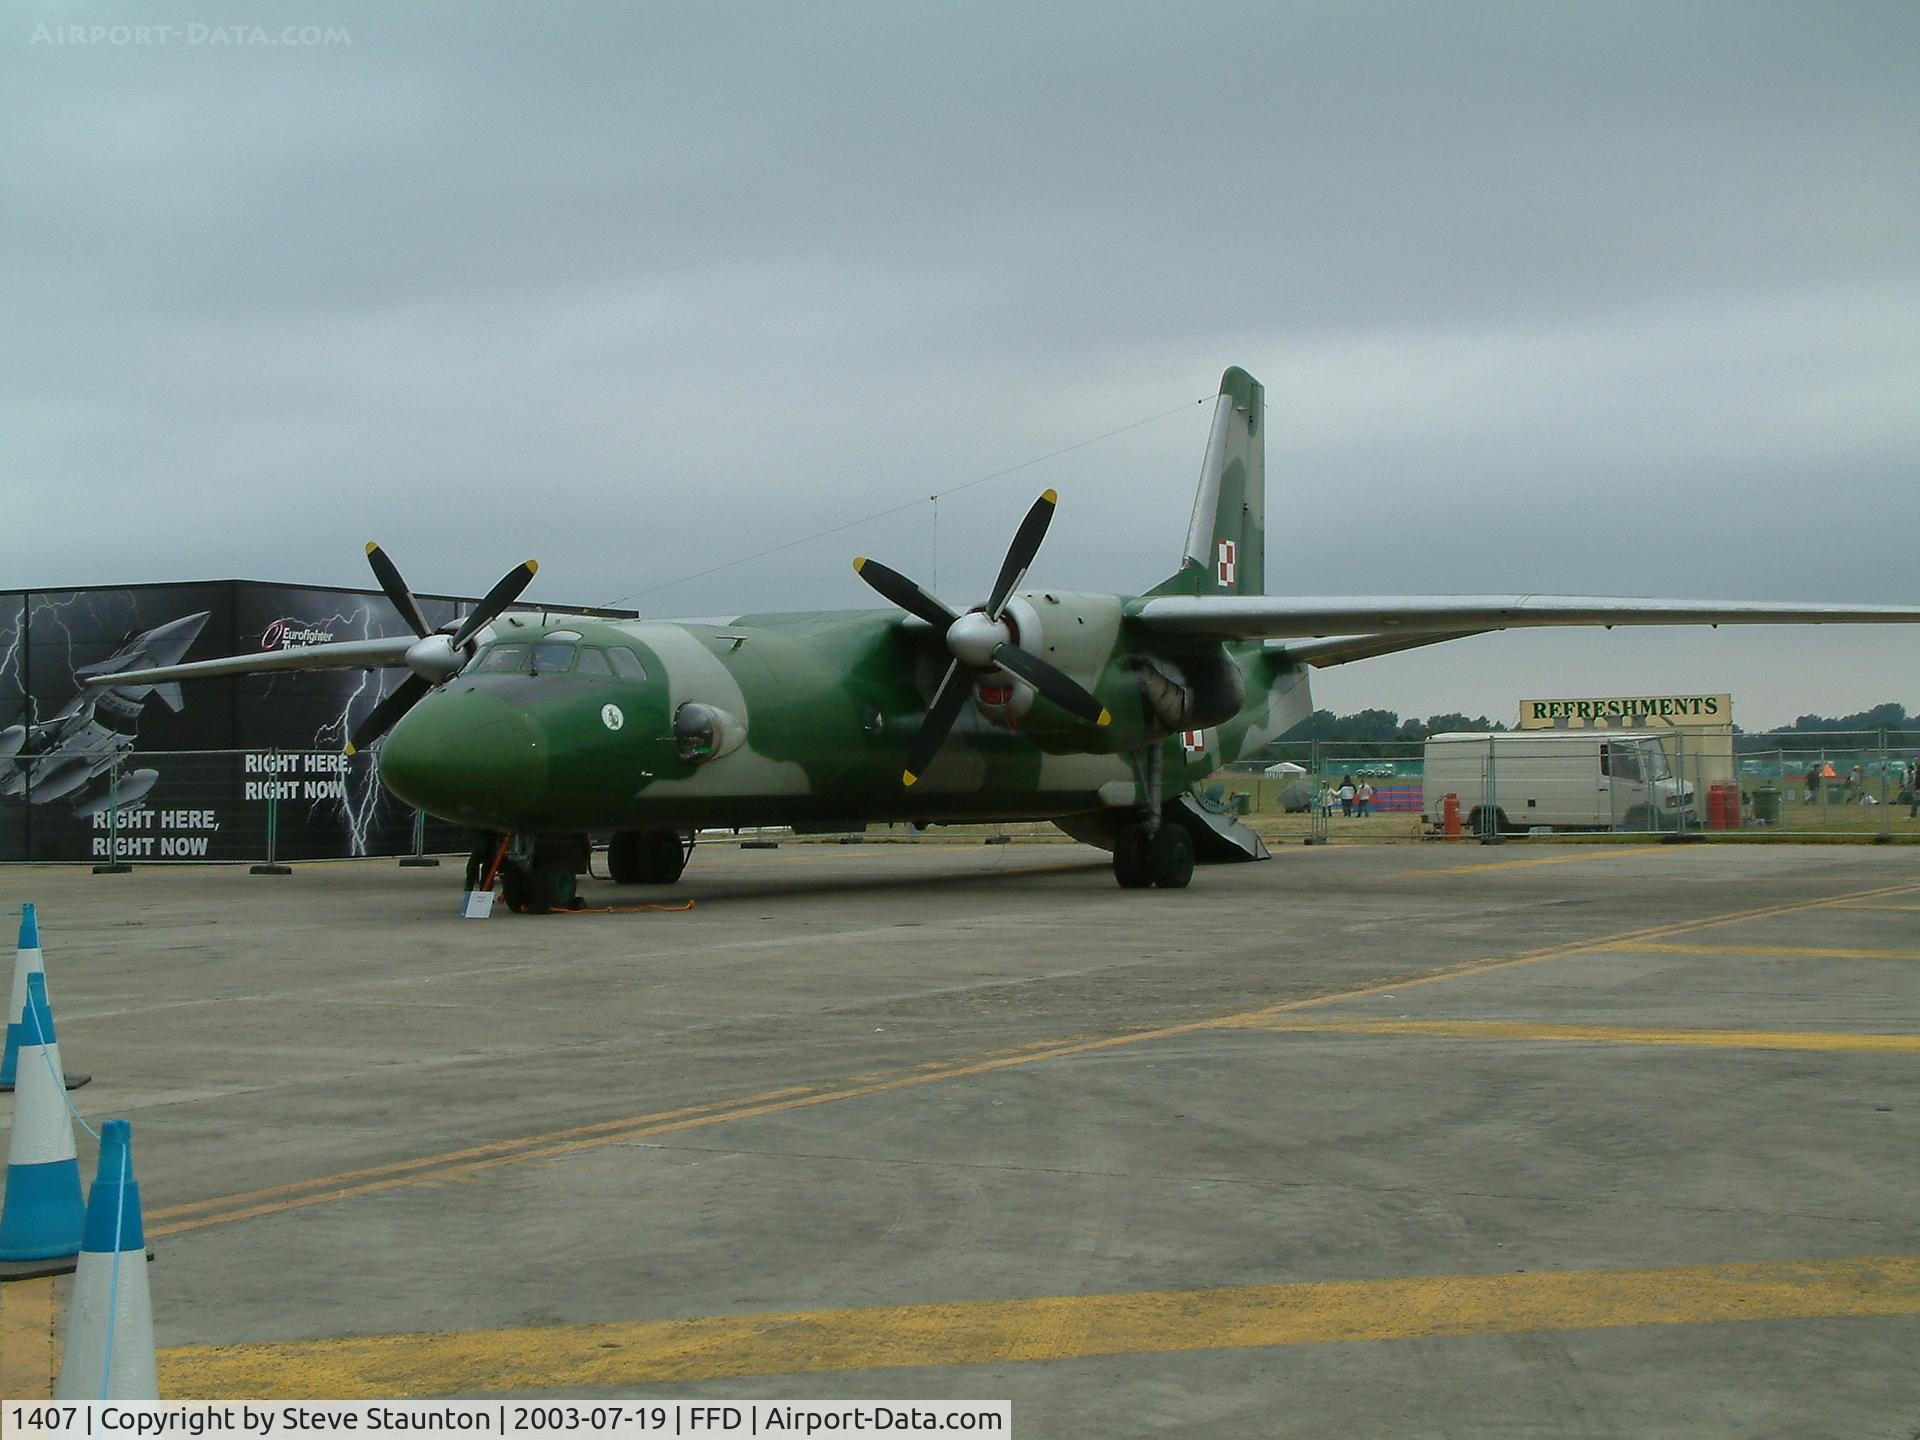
{"x": 1226, "y": 550}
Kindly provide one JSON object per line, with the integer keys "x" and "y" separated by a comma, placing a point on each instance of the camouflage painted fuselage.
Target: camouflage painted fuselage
{"x": 822, "y": 707}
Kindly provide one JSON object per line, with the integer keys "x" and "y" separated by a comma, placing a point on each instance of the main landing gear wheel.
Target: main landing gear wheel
{"x": 1170, "y": 857}
{"x": 1163, "y": 857}
{"x": 646, "y": 857}
{"x": 1131, "y": 857}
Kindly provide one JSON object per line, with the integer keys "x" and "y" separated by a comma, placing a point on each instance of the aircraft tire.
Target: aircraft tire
{"x": 662, "y": 856}
{"x": 1131, "y": 861}
{"x": 623, "y": 858}
{"x": 514, "y": 889}
{"x": 1170, "y": 857}
{"x": 552, "y": 885}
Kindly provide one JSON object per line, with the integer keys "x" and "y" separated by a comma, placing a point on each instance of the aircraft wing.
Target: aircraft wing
{"x": 341, "y": 655}
{"x": 1377, "y": 618}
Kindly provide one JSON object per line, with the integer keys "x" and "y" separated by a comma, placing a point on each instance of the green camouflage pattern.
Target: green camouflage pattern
{"x": 823, "y": 705}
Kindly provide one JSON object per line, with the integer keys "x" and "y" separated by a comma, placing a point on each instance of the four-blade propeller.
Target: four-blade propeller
{"x": 437, "y": 656}
{"x": 981, "y": 640}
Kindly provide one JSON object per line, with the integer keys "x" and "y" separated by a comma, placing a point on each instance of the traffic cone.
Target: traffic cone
{"x": 27, "y": 960}
{"x": 109, "y": 1330}
{"x": 41, "y": 1216}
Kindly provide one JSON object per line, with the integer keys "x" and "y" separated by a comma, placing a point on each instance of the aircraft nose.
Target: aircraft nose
{"x": 466, "y": 756}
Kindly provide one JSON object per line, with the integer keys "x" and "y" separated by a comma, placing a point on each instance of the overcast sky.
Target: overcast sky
{"x": 1613, "y": 299}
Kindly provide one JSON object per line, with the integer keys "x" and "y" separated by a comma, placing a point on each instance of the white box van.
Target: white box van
{"x": 1521, "y": 780}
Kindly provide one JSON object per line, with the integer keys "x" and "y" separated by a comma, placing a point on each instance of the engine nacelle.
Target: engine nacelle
{"x": 1193, "y": 692}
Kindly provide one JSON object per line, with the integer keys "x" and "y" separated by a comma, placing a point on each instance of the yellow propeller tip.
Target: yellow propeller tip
{"x": 352, "y": 749}
{"x": 533, "y": 567}
{"x": 859, "y": 563}
{"x": 1052, "y": 497}
{"x": 372, "y": 545}
{"x": 1106, "y": 718}
{"x": 907, "y": 777}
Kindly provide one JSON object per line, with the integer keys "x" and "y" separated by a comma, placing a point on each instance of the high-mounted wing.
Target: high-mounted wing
{"x": 1371, "y": 622}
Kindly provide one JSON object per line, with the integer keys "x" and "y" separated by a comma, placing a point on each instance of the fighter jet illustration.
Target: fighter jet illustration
{"x": 1098, "y": 712}
{"x": 72, "y": 757}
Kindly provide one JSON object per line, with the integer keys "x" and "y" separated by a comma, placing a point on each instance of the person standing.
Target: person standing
{"x": 1913, "y": 789}
{"x": 1346, "y": 796}
{"x": 1364, "y": 796}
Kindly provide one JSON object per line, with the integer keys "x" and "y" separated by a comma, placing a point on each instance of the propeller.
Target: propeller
{"x": 981, "y": 641}
{"x": 437, "y": 656}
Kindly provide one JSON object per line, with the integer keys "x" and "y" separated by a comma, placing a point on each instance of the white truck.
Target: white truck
{"x": 1520, "y": 780}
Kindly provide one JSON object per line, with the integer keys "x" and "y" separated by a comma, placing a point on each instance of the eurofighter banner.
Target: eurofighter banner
{"x": 150, "y": 773}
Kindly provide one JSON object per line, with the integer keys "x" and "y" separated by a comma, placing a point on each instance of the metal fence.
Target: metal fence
{"x": 115, "y": 806}
{"x": 1536, "y": 784}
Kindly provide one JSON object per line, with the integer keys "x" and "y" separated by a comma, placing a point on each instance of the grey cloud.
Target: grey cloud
{"x": 1620, "y": 297}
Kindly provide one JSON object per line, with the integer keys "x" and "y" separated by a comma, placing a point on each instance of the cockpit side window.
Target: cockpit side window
{"x": 500, "y": 660}
{"x": 553, "y": 657}
{"x": 592, "y": 662}
{"x": 627, "y": 664}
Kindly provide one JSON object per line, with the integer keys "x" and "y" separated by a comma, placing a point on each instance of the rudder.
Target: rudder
{"x": 1226, "y": 550}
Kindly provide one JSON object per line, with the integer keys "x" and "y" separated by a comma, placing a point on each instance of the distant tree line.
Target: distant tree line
{"x": 1891, "y": 717}
{"x": 1374, "y": 727}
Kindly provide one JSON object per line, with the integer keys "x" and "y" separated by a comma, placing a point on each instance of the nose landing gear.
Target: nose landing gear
{"x": 536, "y": 877}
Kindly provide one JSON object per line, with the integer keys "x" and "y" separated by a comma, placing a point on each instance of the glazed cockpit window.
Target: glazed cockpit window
{"x": 500, "y": 660}
{"x": 592, "y": 662}
{"x": 552, "y": 657}
{"x": 627, "y": 664}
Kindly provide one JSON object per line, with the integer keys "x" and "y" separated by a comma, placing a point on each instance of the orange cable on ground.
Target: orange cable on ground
{"x": 626, "y": 909}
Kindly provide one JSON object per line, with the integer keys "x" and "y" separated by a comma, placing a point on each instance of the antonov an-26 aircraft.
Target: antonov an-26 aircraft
{"x": 1096, "y": 712}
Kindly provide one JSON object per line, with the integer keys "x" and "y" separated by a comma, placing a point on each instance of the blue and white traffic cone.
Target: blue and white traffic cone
{"x": 41, "y": 1215}
{"x": 27, "y": 960}
{"x": 109, "y": 1331}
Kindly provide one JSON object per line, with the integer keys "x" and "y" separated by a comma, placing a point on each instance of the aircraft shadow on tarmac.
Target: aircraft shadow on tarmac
{"x": 800, "y": 880}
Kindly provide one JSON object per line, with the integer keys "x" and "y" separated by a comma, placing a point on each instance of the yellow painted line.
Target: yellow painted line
{"x": 1865, "y": 905}
{"x": 1594, "y": 852}
{"x": 29, "y": 1356}
{"x": 1809, "y": 952}
{"x": 458, "y": 1164}
{"x": 571, "y": 1358}
{"x": 1604, "y": 1034}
